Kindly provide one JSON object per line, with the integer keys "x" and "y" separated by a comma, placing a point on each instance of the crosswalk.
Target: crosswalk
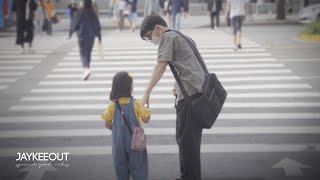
{"x": 14, "y": 64}
{"x": 264, "y": 98}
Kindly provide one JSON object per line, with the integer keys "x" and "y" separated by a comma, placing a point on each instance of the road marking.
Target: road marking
{"x": 299, "y": 60}
{"x": 20, "y": 62}
{"x": 159, "y": 117}
{"x": 171, "y": 149}
{"x": 170, "y": 97}
{"x": 152, "y": 52}
{"x": 158, "y": 131}
{"x": 9, "y": 52}
{"x": 310, "y": 77}
{"x": 291, "y": 167}
{"x": 168, "y": 73}
{"x": 15, "y": 67}
{"x": 144, "y": 81}
{"x": 210, "y": 46}
{"x": 155, "y": 56}
{"x": 12, "y": 73}
{"x": 36, "y": 172}
{"x": 3, "y": 87}
{"x": 169, "y": 88}
{"x": 7, "y": 80}
{"x": 125, "y": 62}
{"x": 23, "y": 56}
{"x": 65, "y": 107}
{"x": 213, "y": 67}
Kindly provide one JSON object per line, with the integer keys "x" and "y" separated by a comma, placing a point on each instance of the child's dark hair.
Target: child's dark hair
{"x": 121, "y": 86}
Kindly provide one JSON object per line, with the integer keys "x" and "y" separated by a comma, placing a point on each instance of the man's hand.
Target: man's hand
{"x": 145, "y": 99}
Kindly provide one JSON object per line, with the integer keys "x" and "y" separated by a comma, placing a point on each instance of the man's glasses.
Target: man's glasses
{"x": 148, "y": 36}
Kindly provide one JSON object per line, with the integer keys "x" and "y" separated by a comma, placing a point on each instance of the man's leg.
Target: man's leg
{"x": 212, "y": 20}
{"x": 218, "y": 18}
{"x": 240, "y": 20}
{"x": 178, "y": 20}
{"x": 189, "y": 140}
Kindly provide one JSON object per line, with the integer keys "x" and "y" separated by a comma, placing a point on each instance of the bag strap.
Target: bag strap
{"x": 199, "y": 58}
{"x": 194, "y": 49}
{"x": 124, "y": 117}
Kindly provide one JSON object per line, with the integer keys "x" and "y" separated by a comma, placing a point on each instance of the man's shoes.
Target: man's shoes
{"x": 239, "y": 46}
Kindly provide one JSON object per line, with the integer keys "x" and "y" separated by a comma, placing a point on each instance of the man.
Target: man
{"x": 50, "y": 12}
{"x": 174, "y": 49}
{"x": 24, "y": 11}
{"x": 238, "y": 10}
{"x": 176, "y": 8}
{"x": 214, "y": 7}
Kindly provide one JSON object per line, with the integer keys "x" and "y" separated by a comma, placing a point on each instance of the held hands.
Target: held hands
{"x": 145, "y": 100}
{"x": 174, "y": 92}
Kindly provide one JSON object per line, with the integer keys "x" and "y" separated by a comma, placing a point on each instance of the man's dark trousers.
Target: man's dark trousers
{"x": 188, "y": 135}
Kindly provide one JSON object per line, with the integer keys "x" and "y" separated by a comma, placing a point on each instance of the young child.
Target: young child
{"x": 127, "y": 162}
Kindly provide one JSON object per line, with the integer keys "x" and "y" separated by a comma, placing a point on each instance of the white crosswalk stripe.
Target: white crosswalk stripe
{"x": 260, "y": 88}
{"x": 14, "y": 65}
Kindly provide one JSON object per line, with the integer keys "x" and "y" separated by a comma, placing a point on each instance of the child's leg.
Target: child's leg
{"x": 120, "y": 162}
{"x": 138, "y": 165}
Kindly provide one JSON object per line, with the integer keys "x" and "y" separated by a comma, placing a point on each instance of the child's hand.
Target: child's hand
{"x": 174, "y": 91}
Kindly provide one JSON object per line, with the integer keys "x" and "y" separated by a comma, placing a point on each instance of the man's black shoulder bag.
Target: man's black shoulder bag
{"x": 207, "y": 107}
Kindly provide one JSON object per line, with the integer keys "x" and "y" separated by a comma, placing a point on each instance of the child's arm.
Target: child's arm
{"x": 146, "y": 119}
{"x": 107, "y": 115}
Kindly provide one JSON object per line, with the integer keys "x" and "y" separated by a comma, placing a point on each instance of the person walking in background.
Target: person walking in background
{"x": 127, "y": 162}
{"x": 214, "y": 7}
{"x": 24, "y": 11}
{"x": 72, "y": 10}
{"x": 132, "y": 17}
{"x": 87, "y": 26}
{"x": 238, "y": 10}
{"x": 40, "y": 16}
{"x": 151, "y": 7}
{"x": 95, "y": 7}
{"x": 49, "y": 8}
{"x": 118, "y": 11}
{"x": 177, "y": 7}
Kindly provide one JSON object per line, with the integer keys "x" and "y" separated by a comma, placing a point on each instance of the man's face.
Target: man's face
{"x": 153, "y": 33}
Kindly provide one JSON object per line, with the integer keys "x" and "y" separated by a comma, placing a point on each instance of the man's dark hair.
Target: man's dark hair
{"x": 121, "y": 86}
{"x": 149, "y": 23}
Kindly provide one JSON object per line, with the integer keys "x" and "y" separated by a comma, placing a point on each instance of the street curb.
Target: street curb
{"x": 310, "y": 37}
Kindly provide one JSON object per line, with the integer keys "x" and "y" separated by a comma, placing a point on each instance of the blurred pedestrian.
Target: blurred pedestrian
{"x": 24, "y": 11}
{"x": 238, "y": 10}
{"x": 50, "y": 12}
{"x": 95, "y": 7}
{"x": 72, "y": 11}
{"x": 151, "y": 7}
{"x": 40, "y": 16}
{"x": 177, "y": 7}
{"x": 87, "y": 26}
{"x": 214, "y": 8}
{"x": 132, "y": 17}
{"x": 127, "y": 162}
{"x": 119, "y": 13}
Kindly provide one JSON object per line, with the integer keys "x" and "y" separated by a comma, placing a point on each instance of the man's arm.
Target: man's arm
{"x": 156, "y": 76}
